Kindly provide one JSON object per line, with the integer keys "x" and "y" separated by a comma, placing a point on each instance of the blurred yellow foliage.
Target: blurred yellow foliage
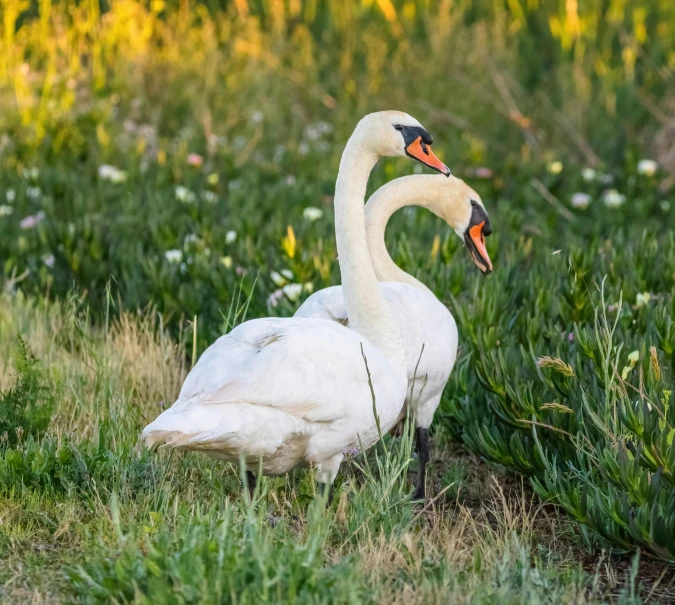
{"x": 60, "y": 56}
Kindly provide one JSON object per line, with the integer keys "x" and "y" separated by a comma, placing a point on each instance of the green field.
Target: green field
{"x": 157, "y": 163}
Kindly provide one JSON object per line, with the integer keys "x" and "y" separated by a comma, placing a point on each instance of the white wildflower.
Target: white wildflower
{"x": 312, "y": 132}
{"x": 292, "y": 291}
{"x": 209, "y": 196}
{"x": 277, "y": 278}
{"x": 227, "y": 261}
{"x": 613, "y": 199}
{"x": 6, "y": 210}
{"x": 230, "y": 237}
{"x": 588, "y": 174}
{"x": 287, "y": 273}
{"x": 31, "y": 173}
{"x": 274, "y": 298}
{"x": 49, "y": 260}
{"x": 309, "y": 287}
{"x": 303, "y": 148}
{"x": 324, "y": 127}
{"x": 111, "y": 173}
{"x": 183, "y": 194}
{"x": 33, "y": 193}
{"x": 10, "y": 194}
{"x": 642, "y": 299}
{"x": 647, "y": 167}
{"x": 174, "y": 256}
{"x": 581, "y": 200}
{"x": 257, "y": 116}
{"x": 290, "y": 180}
{"x": 312, "y": 214}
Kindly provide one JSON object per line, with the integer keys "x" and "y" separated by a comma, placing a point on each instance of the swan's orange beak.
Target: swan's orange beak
{"x": 421, "y": 152}
{"x": 475, "y": 240}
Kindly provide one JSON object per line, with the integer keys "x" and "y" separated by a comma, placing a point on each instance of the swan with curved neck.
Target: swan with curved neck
{"x": 426, "y": 326}
{"x": 285, "y": 393}
{"x": 450, "y": 199}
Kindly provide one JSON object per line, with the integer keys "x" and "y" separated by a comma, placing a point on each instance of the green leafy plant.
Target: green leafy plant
{"x": 26, "y": 408}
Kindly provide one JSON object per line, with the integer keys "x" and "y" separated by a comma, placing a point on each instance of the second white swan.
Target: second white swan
{"x": 428, "y": 329}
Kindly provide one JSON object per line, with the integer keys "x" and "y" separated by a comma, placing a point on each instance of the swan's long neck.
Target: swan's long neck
{"x": 414, "y": 190}
{"x": 367, "y": 309}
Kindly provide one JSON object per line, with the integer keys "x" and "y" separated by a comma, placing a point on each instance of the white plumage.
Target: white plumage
{"x": 423, "y": 322}
{"x": 292, "y": 392}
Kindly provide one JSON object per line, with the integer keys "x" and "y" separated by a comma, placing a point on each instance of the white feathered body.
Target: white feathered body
{"x": 290, "y": 392}
{"x": 422, "y": 320}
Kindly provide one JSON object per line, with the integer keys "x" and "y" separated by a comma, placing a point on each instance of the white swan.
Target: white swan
{"x": 288, "y": 393}
{"x": 428, "y": 329}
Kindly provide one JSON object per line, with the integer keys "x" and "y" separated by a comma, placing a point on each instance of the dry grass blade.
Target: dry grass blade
{"x": 557, "y": 364}
{"x": 552, "y": 199}
{"x": 558, "y": 407}
{"x": 654, "y": 363}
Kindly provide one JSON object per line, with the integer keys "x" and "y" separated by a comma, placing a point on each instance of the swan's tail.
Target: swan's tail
{"x": 172, "y": 438}
{"x": 230, "y": 430}
{"x": 170, "y": 428}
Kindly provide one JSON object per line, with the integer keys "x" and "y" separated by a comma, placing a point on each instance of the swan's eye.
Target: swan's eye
{"x": 398, "y": 127}
{"x": 474, "y": 203}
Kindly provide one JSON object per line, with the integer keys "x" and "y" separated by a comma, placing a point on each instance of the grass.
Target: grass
{"x": 166, "y": 171}
{"x": 88, "y": 514}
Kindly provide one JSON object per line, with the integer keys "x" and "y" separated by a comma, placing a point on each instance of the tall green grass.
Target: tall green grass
{"x": 90, "y": 515}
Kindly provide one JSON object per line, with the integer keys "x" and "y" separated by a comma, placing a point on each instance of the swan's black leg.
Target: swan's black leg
{"x": 323, "y": 488}
{"x": 250, "y": 479}
{"x": 422, "y": 459}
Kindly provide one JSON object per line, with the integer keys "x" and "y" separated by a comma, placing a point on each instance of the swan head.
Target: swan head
{"x": 461, "y": 207}
{"x": 395, "y": 133}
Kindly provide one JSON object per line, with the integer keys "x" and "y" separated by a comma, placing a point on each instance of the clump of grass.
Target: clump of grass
{"x": 216, "y": 554}
{"x": 26, "y": 408}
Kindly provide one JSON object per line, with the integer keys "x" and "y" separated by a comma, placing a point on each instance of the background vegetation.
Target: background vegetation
{"x": 167, "y": 168}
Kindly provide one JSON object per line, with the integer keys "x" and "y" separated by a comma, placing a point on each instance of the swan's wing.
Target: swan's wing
{"x": 427, "y": 327}
{"x": 311, "y": 369}
{"x": 287, "y": 391}
{"x": 328, "y": 303}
